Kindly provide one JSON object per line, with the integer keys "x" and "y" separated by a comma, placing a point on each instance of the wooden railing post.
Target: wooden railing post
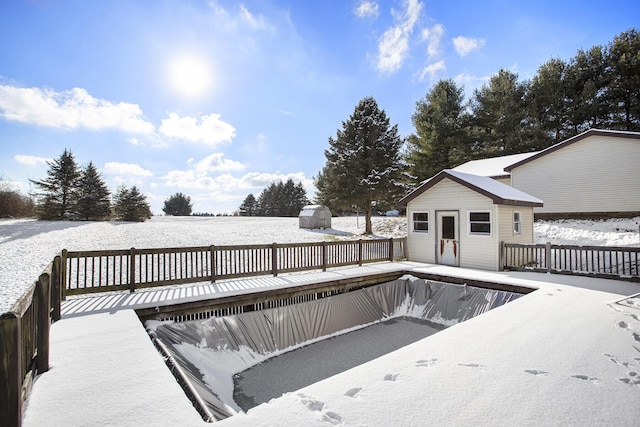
{"x": 132, "y": 270}
{"x": 212, "y": 249}
{"x": 324, "y": 256}
{"x": 547, "y": 256}
{"x": 503, "y": 250}
{"x": 274, "y": 259}
{"x": 56, "y": 289}
{"x": 10, "y": 370}
{"x": 390, "y": 248}
{"x": 360, "y": 252}
{"x": 63, "y": 275}
{"x": 43, "y": 324}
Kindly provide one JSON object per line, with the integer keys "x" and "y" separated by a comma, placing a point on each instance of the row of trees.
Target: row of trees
{"x": 598, "y": 88}
{"x": 74, "y": 193}
{"x": 366, "y": 166}
{"x": 278, "y": 199}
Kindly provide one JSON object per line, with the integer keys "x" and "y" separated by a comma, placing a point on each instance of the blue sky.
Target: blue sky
{"x": 216, "y": 99}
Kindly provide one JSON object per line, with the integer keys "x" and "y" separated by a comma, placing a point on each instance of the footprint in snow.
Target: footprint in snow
{"x": 391, "y": 377}
{"x": 353, "y": 392}
{"x": 632, "y": 378}
{"x": 535, "y": 372}
{"x": 623, "y": 325}
{"x": 332, "y": 418}
{"x": 424, "y": 363}
{"x": 472, "y": 365}
{"x": 311, "y": 404}
{"x": 617, "y": 361}
{"x": 585, "y": 378}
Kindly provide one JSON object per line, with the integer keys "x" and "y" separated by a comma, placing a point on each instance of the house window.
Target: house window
{"x": 517, "y": 224}
{"x": 480, "y": 223}
{"x": 421, "y": 222}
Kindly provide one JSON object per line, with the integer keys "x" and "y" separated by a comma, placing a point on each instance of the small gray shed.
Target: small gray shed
{"x": 315, "y": 216}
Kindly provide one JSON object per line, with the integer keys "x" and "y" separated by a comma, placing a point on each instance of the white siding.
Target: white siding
{"x": 475, "y": 251}
{"x": 505, "y": 220}
{"x": 504, "y": 180}
{"x": 596, "y": 174}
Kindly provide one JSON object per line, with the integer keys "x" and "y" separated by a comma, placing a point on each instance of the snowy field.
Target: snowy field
{"x": 27, "y": 246}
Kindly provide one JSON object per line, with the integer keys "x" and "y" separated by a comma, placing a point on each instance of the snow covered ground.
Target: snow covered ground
{"x": 27, "y": 246}
{"x": 567, "y": 354}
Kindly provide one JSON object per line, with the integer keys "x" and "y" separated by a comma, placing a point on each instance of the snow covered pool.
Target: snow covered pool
{"x": 259, "y": 355}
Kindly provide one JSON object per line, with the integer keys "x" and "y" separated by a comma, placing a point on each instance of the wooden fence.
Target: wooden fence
{"x": 24, "y": 341}
{"x": 603, "y": 261}
{"x": 98, "y": 271}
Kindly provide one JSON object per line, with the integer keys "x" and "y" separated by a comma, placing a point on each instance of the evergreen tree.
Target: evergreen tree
{"x": 130, "y": 205}
{"x": 249, "y": 206}
{"x": 586, "y": 83}
{"x": 58, "y": 192}
{"x": 364, "y": 164}
{"x": 624, "y": 89}
{"x": 93, "y": 195}
{"x": 548, "y": 105}
{"x": 282, "y": 199}
{"x": 177, "y": 205}
{"x": 441, "y": 139}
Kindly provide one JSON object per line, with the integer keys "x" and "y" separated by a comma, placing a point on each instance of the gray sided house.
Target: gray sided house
{"x": 315, "y": 216}
{"x": 460, "y": 219}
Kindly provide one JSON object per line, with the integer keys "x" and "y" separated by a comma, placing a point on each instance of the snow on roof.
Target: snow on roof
{"x": 500, "y": 193}
{"x": 493, "y": 166}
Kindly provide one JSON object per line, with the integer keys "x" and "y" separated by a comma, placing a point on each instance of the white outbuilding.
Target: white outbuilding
{"x": 461, "y": 219}
{"x": 315, "y": 216}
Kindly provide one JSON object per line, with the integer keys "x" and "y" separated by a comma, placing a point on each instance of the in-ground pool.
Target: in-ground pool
{"x": 232, "y": 363}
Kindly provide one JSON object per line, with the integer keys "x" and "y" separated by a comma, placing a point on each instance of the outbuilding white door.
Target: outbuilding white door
{"x": 447, "y": 240}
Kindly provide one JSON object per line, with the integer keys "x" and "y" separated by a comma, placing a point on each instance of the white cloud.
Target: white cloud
{"x": 394, "y": 44}
{"x": 207, "y": 129}
{"x": 464, "y": 45}
{"x": 256, "y": 23}
{"x": 432, "y": 70}
{"x": 72, "y": 109}
{"x": 31, "y": 160}
{"x": 250, "y": 182}
{"x": 367, "y": 9}
{"x": 433, "y": 37}
{"x": 216, "y": 163}
{"x": 127, "y": 169}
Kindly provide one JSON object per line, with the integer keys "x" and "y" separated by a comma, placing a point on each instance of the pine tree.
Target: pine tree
{"x": 130, "y": 205}
{"x": 249, "y": 206}
{"x": 441, "y": 135}
{"x": 58, "y": 192}
{"x": 93, "y": 195}
{"x": 178, "y": 205}
{"x": 364, "y": 164}
{"x": 500, "y": 115}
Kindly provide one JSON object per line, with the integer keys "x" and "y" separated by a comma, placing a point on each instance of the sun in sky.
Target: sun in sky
{"x": 190, "y": 75}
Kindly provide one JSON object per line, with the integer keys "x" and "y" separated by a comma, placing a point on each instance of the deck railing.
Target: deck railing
{"x": 108, "y": 270}
{"x": 24, "y": 341}
{"x": 604, "y": 261}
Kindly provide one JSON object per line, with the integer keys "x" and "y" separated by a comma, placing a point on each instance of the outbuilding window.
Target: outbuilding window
{"x": 480, "y": 223}
{"x": 517, "y": 224}
{"x": 421, "y": 222}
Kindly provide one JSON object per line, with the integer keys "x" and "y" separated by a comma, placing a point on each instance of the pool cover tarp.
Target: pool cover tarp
{"x": 211, "y": 351}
